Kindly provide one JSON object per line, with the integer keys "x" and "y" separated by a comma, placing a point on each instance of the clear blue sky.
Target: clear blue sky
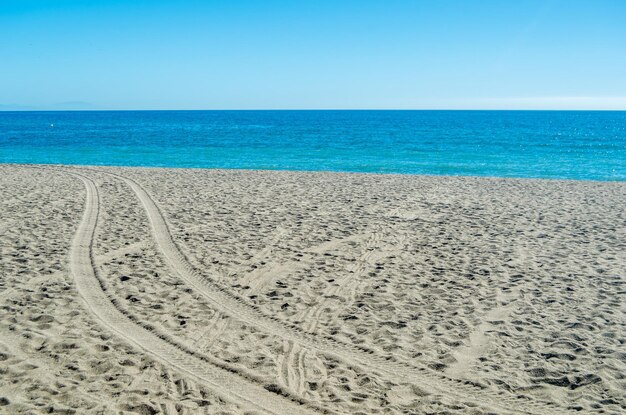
{"x": 316, "y": 54}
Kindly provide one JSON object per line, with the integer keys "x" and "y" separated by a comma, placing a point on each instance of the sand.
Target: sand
{"x": 182, "y": 291}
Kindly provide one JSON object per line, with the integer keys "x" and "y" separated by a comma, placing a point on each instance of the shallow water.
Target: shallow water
{"x": 537, "y": 144}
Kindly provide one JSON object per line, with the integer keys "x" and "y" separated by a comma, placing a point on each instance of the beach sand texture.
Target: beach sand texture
{"x": 188, "y": 291}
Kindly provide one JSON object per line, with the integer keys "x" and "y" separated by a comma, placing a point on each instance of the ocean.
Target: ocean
{"x": 581, "y": 145}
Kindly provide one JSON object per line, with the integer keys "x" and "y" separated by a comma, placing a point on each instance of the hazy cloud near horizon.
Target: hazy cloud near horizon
{"x": 530, "y": 103}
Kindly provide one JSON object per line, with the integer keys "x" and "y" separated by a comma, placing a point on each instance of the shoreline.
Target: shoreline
{"x": 338, "y": 172}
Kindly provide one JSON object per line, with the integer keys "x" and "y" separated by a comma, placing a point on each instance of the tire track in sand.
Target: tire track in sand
{"x": 426, "y": 379}
{"x": 344, "y": 292}
{"x": 248, "y": 395}
{"x": 292, "y": 370}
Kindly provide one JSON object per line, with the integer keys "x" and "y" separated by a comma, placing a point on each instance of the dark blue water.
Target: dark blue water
{"x": 546, "y": 144}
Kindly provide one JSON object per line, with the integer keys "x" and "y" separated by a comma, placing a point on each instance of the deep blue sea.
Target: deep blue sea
{"x": 543, "y": 144}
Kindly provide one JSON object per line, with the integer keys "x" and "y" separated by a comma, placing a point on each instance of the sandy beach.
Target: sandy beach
{"x": 189, "y": 291}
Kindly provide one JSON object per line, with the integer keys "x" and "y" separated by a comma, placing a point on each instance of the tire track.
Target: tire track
{"x": 207, "y": 334}
{"x": 301, "y": 369}
{"x": 285, "y": 373}
{"x": 292, "y": 367}
{"x": 248, "y": 395}
{"x": 344, "y": 292}
{"x": 221, "y": 326}
{"x": 222, "y": 299}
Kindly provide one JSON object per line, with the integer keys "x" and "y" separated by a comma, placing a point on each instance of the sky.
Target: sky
{"x": 340, "y": 54}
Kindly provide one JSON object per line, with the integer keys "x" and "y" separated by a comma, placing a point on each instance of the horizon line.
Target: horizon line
{"x": 316, "y": 109}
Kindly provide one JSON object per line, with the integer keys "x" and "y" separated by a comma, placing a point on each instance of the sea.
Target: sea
{"x": 579, "y": 145}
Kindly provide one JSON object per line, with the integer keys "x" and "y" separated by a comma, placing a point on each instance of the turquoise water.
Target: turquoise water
{"x": 538, "y": 144}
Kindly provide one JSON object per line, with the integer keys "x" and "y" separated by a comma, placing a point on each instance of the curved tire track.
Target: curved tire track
{"x": 222, "y": 299}
{"x": 246, "y": 394}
